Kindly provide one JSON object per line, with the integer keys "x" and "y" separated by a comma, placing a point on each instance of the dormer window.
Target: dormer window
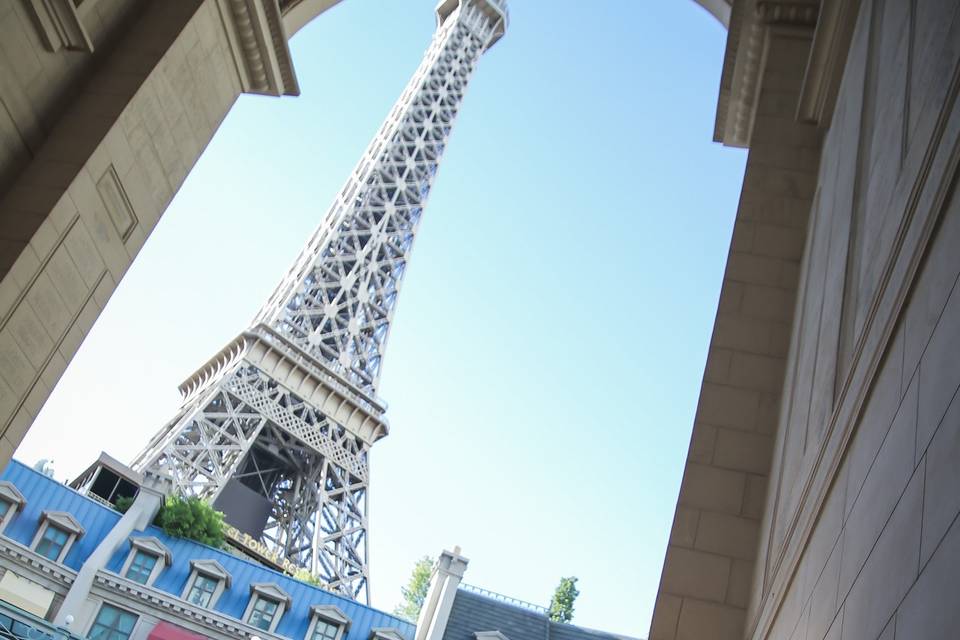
{"x": 385, "y": 633}
{"x": 323, "y": 630}
{"x": 208, "y": 580}
{"x": 142, "y": 567}
{"x": 202, "y": 590}
{"x": 264, "y": 612}
{"x": 267, "y": 604}
{"x": 52, "y": 542}
{"x": 57, "y": 533}
{"x": 327, "y": 622}
{"x": 11, "y": 502}
{"x": 147, "y": 558}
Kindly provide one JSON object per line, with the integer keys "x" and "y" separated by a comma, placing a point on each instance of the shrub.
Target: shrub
{"x": 191, "y": 518}
{"x": 123, "y": 503}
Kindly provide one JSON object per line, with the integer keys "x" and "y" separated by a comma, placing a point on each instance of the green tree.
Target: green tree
{"x": 561, "y": 605}
{"x": 192, "y": 518}
{"x": 305, "y": 575}
{"x": 416, "y": 590}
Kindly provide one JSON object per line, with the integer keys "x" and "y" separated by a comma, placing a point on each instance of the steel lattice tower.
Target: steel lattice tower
{"x": 289, "y": 409}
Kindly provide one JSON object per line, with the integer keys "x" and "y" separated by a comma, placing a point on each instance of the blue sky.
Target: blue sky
{"x": 546, "y": 356}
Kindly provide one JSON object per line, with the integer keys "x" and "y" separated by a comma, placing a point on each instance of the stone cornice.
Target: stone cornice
{"x": 744, "y": 58}
{"x": 801, "y": 14}
{"x": 165, "y": 606}
{"x": 258, "y": 41}
{"x": 46, "y": 572}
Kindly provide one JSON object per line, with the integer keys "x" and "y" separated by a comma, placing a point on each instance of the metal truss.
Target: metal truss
{"x": 332, "y": 311}
{"x": 337, "y": 301}
{"x": 247, "y": 427}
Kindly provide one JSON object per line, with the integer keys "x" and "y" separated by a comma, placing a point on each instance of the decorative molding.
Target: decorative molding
{"x": 116, "y": 202}
{"x": 745, "y": 58}
{"x": 152, "y": 544}
{"x": 212, "y": 569}
{"x": 10, "y": 493}
{"x": 64, "y": 521}
{"x": 270, "y": 590}
{"x": 59, "y": 25}
{"x": 828, "y": 56}
{"x": 258, "y": 40}
{"x": 386, "y": 633}
{"x": 798, "y": 13}
{"x": 899, "y": 273}
{"x": 330, "y": 613}
{"x": 50, "y": 574}
{"x": 165, "y": 606}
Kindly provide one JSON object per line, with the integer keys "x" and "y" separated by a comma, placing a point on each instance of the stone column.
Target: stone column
{"x": 435, "y": 612}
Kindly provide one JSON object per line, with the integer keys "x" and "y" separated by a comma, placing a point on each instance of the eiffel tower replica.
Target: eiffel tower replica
{"x": 276, "y": 429}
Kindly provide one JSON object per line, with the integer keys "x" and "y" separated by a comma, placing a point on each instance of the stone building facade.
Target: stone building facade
{"x": 820, "y": 493}
{"x": 106, "y": 106}
{"x": 71, "y": 565}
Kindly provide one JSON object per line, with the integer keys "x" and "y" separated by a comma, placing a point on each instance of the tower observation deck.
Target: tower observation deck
{"x": 275, "y": 429}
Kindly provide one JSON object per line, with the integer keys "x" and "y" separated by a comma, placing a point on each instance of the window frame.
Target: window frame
{"x": 104, "y": 604}
{"x": 385, "y": 633}
{"x": 267, "y": 591}
{"x": 328, "y": 614}
{"x": 258, "y": 605}
{"x": 148, "y": 545}
{"x": 135, "y": 554}
{"x": 58, "y": 520}
{"x": 45, "y": 538}
{"x": 208, "y": 569}
{"x": 10, "y": 495}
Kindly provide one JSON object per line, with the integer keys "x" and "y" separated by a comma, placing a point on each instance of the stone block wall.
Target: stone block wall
{"x": 859, "y": 538}
{"x": 848, "y": 364}
{"x": 104, "y": 143}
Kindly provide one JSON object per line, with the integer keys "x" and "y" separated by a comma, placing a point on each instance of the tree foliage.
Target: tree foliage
{"x": 561, "y": 605}
{"x": 416, "y": 590}
{"x": 192, "y": 518}
{"x": 305, "y": 575}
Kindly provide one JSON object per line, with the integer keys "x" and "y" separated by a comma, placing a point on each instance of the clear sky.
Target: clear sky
{"x": 548, "y": 347}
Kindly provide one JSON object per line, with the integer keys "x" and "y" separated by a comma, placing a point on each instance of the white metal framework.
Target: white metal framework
{"x": 289, "y": 409}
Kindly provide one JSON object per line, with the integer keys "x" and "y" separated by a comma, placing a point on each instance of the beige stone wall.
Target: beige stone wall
{"x": 95, "y": 185}
{"x": 849, "y": 364}
{"x": 858, "y": 523}
{"x": 101, "y": 119}
{"x": 36, "y": 84}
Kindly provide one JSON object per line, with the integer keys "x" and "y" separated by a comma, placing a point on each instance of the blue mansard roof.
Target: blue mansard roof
{"x": 44, "y": 494}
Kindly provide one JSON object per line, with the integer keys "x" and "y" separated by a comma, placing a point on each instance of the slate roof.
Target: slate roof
{"x": 473, "y": 612}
